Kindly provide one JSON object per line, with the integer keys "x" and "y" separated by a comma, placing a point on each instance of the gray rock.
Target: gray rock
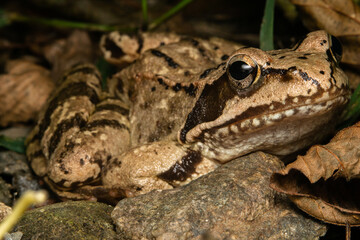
{"x": 233, "y": 202}
{"x": 5, "y": 195}
{"x": 68, "y": 220}
{"x": 13, "y": 236}
{"x": 4, "y": 211}
{"x": 15, "y": 167}
{"x": 12, "y": 163}
{"x": 16, "y": 132}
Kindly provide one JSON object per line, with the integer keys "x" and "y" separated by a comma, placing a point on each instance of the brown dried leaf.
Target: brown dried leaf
{"x": 65, "y": 53}
{"x": 354, "y": 75}
{"x": 24, "y": 90}
{"x": 325, "y": 182}
{"x": 339, "y": 18}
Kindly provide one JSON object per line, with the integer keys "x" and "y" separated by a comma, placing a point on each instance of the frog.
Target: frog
{"x": 179, "y": 108}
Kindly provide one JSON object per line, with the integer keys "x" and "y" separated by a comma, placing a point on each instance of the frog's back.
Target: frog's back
{"x": 161, "y": 86}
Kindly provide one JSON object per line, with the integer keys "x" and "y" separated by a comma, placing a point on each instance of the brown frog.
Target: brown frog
{"x": 182, "y": 109}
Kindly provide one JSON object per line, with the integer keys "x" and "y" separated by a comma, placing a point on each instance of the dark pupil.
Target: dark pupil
{"x": 240, "y": 70}
{"x": 336, "y": 47}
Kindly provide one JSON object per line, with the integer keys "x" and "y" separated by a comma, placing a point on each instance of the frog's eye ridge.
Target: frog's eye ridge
{"x": 335, "y": 48}
{"x": 243, "y": 72}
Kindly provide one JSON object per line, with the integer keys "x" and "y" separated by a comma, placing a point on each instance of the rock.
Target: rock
{"x": 18, "y": 173}
{"x": 68, "y": 220}
{"x": 4, "y": 211}
{"x": 233, "y": 202}
{"x": 13, "y": 236}
{"x": 16, "y": 132}
{"x": 5, "y": 195}
{"x": 12, "y": 163}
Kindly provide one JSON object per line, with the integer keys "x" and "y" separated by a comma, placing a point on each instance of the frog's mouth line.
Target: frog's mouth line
{"x": 305, "y": 110}
{"x": 280, "y": 132}
{"x": 257, "y": 121}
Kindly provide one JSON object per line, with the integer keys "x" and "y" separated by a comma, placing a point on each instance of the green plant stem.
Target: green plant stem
{"x": 267, "y": 27}
{"x": 169, "y": 13}
{"x": 29, "y": 198}
{"x": 15, "y": 17}
{"x": 352, "y": 110}
{"x": 144, "y": 12}
{"x": 9, "y": 17}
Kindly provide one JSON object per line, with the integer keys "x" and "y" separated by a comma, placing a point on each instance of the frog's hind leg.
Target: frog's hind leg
{"x": 78, "y": 133}
{"x": 78, "y": 93}
{"x": 35, "y": 156}
{"x": 80, "y": 157}
{"x": 159, "y": 165}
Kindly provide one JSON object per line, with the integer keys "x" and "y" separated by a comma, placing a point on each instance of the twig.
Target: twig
{"x": 168, "y": 14}
{"x": 348, "y": 231}
{"x": 29, "y": 198}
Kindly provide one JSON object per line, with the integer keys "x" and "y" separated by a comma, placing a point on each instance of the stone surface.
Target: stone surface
{"x": 233, "y": 202}
{"x": 13, "y": 236}
{"x": 16, "y": 132}
{"x": 12, "y": 163}
{"x": 5, "y": 195}
{"x": 68, "y": 220}
{"x": 15, "y": 168}
{"x": 4, "y": 211}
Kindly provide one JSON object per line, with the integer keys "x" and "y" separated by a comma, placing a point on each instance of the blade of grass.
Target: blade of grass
{"x": 4, "y": 19}
{"x": 9, "y": 17}
{"x": 351, "y": 113}
{"x": 353, "y": 106}
{"x": 13, "y": 144}
{"x": 267, "y": 27}
{"x": 168, "y": 14}
{"x": 144, "y": 13}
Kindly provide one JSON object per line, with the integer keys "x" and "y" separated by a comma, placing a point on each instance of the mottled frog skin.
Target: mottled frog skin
{"x": 184, "y": 107}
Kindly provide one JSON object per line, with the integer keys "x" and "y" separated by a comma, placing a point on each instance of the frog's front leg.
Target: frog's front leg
{"x": 158, "y": 165}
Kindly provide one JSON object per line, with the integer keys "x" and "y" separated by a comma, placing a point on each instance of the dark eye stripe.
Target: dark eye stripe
{"x": 209, "y": 106}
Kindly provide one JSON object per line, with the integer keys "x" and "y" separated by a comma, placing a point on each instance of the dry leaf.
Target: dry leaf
{"x": 339, "y": 18}
{"x": 354, "y": 75}
{"x": 24, "y": 90}
{"x": 65, "y": 53}
{"x": 325, "y": 182}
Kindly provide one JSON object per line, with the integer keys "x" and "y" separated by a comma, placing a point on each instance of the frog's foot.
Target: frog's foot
{"x": 91, "y": 191}
{"x": 159, "y": 165}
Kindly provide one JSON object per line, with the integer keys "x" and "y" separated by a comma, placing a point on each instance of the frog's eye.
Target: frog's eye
{"x": 335, "y": 48}
{"x": 243, "y": 72}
